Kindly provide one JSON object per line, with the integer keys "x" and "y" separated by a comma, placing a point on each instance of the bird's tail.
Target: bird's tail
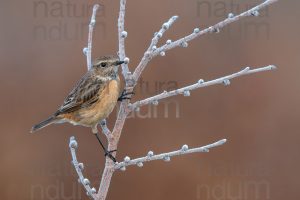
{"x": 43, "y": 124}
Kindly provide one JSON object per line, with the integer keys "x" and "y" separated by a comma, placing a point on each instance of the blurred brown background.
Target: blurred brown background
{"x": 41, "y": 59}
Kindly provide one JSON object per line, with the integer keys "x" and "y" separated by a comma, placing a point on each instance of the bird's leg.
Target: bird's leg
{"x": 125, "y": 95}
{"x": 106, "y": 152}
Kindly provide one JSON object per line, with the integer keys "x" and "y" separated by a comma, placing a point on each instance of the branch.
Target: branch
{"x": 166, "y": 156}
{"x": 114, "y": 137}
{"x": 73, "y": 145}
{"x": 88, "y": 50}
{"x": 200, "y": 84}
{"x": 149, "y": 53}
{"x": 183, "y": 42}
{"x": 161, "y": 32}
{"x": 104, "y": 127}
{"x": 122, "y": 36}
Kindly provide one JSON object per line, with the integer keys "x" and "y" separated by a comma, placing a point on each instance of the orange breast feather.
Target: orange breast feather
{"x": 100, "y": 110}
{"x": 108, "y": 98}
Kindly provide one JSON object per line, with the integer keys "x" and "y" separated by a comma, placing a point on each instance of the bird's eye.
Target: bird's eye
{"x": 103, "y": 64}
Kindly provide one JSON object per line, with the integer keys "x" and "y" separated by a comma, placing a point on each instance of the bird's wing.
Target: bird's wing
{"x": 84, "y": 94}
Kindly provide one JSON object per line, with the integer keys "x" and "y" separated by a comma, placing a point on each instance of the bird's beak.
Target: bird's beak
{"x": 119, "y": 63}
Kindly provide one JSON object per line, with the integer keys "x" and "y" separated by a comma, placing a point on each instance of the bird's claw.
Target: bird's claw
{"x": 125, "y": 95}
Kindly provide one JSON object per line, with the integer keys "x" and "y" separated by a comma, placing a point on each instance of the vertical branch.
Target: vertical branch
{"x": 88, "y": 50}
{"x": 105, "y": 181}
{"x": 113, "y": 138}
{"x": 122, "y": 36}
{"x": 122, "y": 114}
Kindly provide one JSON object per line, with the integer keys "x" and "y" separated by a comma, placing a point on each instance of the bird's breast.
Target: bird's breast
{"x": 108, "y": 97}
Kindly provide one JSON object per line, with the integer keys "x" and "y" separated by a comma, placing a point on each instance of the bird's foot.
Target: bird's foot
{"x": 125, "y": 95}
{"x": 108, "y": 154}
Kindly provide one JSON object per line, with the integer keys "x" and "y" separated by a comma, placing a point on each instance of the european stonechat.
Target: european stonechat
{"x": 92, "y": 99}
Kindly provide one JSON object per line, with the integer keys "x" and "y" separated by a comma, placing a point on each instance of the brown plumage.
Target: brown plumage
{"x": 92, "y": 99}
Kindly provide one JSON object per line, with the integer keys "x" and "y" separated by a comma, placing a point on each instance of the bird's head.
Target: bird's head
{"x": 107, "y": 65}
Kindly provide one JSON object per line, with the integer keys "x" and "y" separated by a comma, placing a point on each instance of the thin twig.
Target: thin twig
{"x": 183, "y": 42}
{"x": 161, "y": 32}
{"x": 88, "y": 50}
{"x": 200, "y": 84}
{"x": 73, "y": 145}
{"x": 165, "y": 156}
{"x": 152, "y": 47}
{"x": 104, "y": 127}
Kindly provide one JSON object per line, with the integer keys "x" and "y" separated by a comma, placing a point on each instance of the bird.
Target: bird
{"x": 92, "y": 99}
